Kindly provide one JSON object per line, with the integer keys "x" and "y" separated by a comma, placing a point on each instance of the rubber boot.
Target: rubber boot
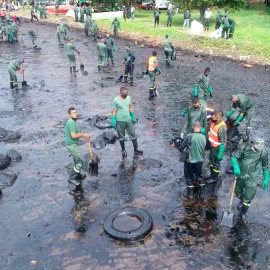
{"x": 112, "y": 61}
{"x": 155, "y": 92}
{"x": 239, "y": 205}
{"x": 170, "y": 24}
{"x": 70, "y": 68}
{"x": 136, "y": 149}
{"x": 99, "y": 68}
{"x": 131, "y": 80}
{"x": 151, "y": 94}
{"x": 73, "y": 178}
{"x": 125, "y": 79}
{"x": 11, "y": 85}
{"x": 201, "y": 191}
{"x": 124, "y": 153}
{"x": 74, "y": 69}
{"x": 81, "y": 175}
{"x": 167, "y": 24}
{"x": 190, "y": 192}
{"x": 243, "y": 213}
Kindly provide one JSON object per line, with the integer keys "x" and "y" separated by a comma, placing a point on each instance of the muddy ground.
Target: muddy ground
{"x": 40, "y": 218}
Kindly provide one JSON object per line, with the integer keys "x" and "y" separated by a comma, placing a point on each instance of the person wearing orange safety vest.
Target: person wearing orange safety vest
{"x": 153, "y": 70}
{"x": 218, "y": 139}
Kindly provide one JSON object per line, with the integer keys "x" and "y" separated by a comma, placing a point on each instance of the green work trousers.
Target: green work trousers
{"x": 75, "y": 152}
{"x": 214, "y": 162}
{"x": 232, "y": 28}
{"x": 62, "y": 36}
{"x": 248, "y": 116}
{"x": 101, "y": 60}
{"x": 203, "y": 95}
{"x": 206, "y": 23}
{"x": 95, "y": 35}
{"x": 82, "y": 17}
{"x": 122, "y": 127}
{"x": 152, "y": 79}
{"x": 13, "y": 77}
{"x": 72, "y": 60}
{"x": 169, "y": 20}
{"x": 115, "y": 32}
{"x": 245, "y": 189}
{"x": 168, "y": 55}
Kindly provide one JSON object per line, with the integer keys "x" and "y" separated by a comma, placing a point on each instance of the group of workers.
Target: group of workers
{"x": 9, "y": 30}
{"x": 201, "y": 133}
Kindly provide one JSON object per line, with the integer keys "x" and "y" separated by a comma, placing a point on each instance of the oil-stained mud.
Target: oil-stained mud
{"x": 41, "y": 221}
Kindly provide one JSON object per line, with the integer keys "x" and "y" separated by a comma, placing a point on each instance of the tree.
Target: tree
{"x": 203, "y": 4}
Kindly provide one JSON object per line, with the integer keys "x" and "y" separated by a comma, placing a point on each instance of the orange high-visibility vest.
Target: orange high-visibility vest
{"x": 151, "y": 63}
{"x": 213, "y": 134}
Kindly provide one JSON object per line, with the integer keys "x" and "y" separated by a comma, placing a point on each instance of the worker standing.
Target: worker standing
{"x": 246, "y": 107}
{"x": 156, "y": 16}
{"x": 246, "y": 162}
{"x": 110, "y": 47}
{"x": 207, "y": 16}
{"x": 13, "y": 67}
{"x": 33, "y": 37}
{"x": 81, "y": 14}
{"x": 170, "y": 14}
{"x": 56, "y": 7}
{"x": 218, "y": 140}
{"x": 187, "y": 18}
{"x": 168, "y": 49}
{"x": 129, "y": 65}
{"x": 71, "y": 56}
{"x": 123, "y": 119}
{"x": 76, "y": 12}
{"x": 225, "y": 26}
{"x": 101, "y": 54}
{"x": 202, "y": 88}
{"x": 218, "y": 19}
{"x": 153, "y": 70}
{"x": 232, "y": 27}
{"x": 195, "y": 113}
{"x": 195, "y": 142}
{"x": 95, "y": 30}
{"x": 72, "y": 137}
{"x": 14, "y": 31}
{"x": 116, "y": 26}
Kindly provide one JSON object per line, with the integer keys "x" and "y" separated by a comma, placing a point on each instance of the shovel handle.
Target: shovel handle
{"x": 122, "y": 69}
{"x": 233, "y": 189}
{"x": 23, "y": 75}
{"x": 80, "y": 59}
{"x": 90, "y": 152}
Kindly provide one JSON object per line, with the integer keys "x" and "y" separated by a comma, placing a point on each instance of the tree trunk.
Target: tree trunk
{"x": 202, "y": 10}
{"x": 248, "y": 3}
{"x": 268, "y": 3}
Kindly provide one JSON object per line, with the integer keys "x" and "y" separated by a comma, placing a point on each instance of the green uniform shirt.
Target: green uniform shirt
{"x": 167, "y": 45}
{"x": 250, "y": 162}
{"x": 122, "y": 106}
{"x": 116, "y": 24}
{"x": 70, "y": 49}
{"x": 129, "y": 57}
{"x": 225, "y": 22}
{"x": 71, "y": 126}
{"x": 194, "y": 115}
{"x": 244, "y": 103}
{"x": 218, "y": 17}
{"x": 202, "y": 83}
{"x": 156, "y": 13}
{"x": 14, "y": 65}
{"x": 196, "y": 143}
{"x": 95, "y": 27}
{"x": 109, "y": 42}
{"x": 14, "y": 27}
{"x": 101, "y": 49}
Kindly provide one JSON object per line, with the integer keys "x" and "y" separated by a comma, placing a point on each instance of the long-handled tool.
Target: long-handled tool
{"x": 81, "y": 65}
{"x": 122, "y": 73}
{"x": 93, "y": 165}
{"x": 156, "y": 84}
{"x": 24, "y": 83}
{"x": 228, "y": 217}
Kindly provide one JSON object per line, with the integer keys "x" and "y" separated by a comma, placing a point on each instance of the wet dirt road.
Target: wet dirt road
{"x": 186, "y": 233}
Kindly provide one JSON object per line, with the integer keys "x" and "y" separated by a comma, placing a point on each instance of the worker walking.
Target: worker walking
{"x": 153, "y": 70}
{"x": 71, "y": 56}
{"x": 101, "y": 54}
{"x": 168, "y": 49}
{"x": 128, "y": 62}
{"x": 246, "y": 162}
{"x": 95, "y": 30}
{"x": 123, "y": 119}
{"x": 246, "y": 108}
{"x": 13, "y": 67}
{"x": 116, "y": 26}
{"x": 218, "y": 140}
{"x": 195, "y": 142}
{"x": 87, "y": 26}
{"x": 202, "y": 88}
{"x": 72, "y": 137}
{"x": 109, "y": 47}
{"x": 194, "y": 113}
{"x": 33, "y": 37}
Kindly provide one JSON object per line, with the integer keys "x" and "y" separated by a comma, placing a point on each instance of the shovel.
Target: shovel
{"x": 228, "y": 217}
{"x": 24, "y": 83}
{"x": 122, "y": 74}
{"x": 156, "y": 84}
{"x": 81, "y": 66}
{"x": 93, "y": 165}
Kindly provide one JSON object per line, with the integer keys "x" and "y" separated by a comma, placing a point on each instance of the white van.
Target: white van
{"x": 161, "y": 4}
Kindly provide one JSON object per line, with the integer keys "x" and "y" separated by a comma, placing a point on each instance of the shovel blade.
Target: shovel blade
{"x": 24, "y": 83}
{"x": 228, "y": 218}
{"x": 81, "y": 67}
{"x": 20, "y": 85}
{"x": 93, "y": 168}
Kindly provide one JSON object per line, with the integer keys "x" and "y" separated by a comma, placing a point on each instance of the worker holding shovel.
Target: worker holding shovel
{"x": 246, "y": 162}
{"x": 14, "y": 66}
{"x": 71, "y": 56}
{"x": 72, "y": 137}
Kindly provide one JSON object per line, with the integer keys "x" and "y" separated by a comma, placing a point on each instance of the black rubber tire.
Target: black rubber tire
{"x": 139, "y": 233}
{"x": 173, "y": 56}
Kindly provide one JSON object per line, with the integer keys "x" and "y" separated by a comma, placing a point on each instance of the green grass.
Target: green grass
{"x": 251, "y": 34}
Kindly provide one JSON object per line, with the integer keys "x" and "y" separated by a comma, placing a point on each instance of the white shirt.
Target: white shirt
{"x": 170, "y": 6}
{"x": 132, "y": 10}
{"x": 207, "y": 14}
